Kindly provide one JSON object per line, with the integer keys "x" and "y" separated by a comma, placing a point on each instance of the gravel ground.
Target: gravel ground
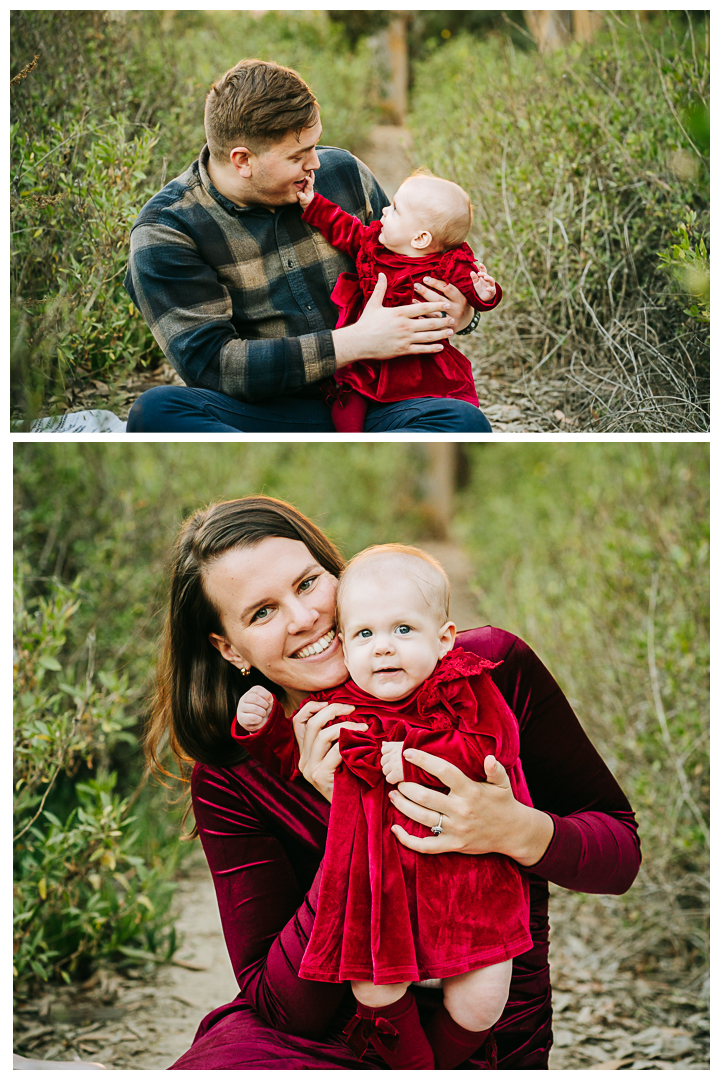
{"x": 606, "y": 1016}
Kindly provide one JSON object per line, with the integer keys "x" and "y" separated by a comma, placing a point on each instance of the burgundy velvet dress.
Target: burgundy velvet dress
{"x": 446, "y": 374}
{"x": 386, "y": 914}
{"x": 264, "y": 839}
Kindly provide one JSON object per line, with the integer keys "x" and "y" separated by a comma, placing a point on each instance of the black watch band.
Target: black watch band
{"x": 472, "y": 325}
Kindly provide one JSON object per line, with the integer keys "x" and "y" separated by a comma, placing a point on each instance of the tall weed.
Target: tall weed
{"x": 598, "y": 556}
{"x": 581, "y": 167}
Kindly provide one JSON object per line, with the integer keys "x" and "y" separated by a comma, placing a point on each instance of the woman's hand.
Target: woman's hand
{"x": 478, "y": 817}
{"x": 319, "y": 755}
{"x": 456, "y": 305}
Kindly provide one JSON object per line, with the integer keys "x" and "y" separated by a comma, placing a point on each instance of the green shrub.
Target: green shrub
{"x": 82, "y": 888}
{"x": 111, "y": 111}
{"x": 598, "y": 556}
{"x": 580, "y": 166}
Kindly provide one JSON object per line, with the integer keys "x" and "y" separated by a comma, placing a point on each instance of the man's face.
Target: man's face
{"x": 283, "y": 170}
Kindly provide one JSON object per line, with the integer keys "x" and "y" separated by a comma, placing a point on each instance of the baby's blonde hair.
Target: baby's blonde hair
{"x": 429, "y": 575}
{"x": 449, "y": 214}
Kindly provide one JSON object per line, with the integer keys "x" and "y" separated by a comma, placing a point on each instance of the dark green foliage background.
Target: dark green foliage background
{"x": 568, "y": 544}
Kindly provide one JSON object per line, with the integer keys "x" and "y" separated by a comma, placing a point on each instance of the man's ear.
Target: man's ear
{"x": 422, "y": 241}
{"x": 227, "y": 651}
{"x": 240, "y": 159}
{"x": 447, "y": 638}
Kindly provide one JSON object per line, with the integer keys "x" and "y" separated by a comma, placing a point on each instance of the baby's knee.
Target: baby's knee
{"x": 375, "y": 997}
{"x": 476, "y": 1000}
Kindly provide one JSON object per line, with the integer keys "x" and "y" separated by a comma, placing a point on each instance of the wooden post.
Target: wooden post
{"x": 392, "y": 52}
{"x": 553, "y": 29}
{"x": 586, "y": 24}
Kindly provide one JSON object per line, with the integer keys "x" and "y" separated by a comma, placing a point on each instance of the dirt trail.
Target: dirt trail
{"x": 609, "y": 1013}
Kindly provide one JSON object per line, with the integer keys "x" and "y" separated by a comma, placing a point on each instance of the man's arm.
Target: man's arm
{"x": 190, "y": 313}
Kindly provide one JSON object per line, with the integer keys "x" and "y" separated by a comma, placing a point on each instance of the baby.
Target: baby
{"x": 421, "y": 233}
{"x": 386, "y": 915}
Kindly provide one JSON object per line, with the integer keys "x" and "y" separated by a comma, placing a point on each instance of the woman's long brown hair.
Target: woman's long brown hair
{"x": 197, "y": 690}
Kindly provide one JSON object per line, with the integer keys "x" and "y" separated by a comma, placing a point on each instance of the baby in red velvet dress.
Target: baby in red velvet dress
{"x": 387, "y": 915}
{"x": 421, "y": 233}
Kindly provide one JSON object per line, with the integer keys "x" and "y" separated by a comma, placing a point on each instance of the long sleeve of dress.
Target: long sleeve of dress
{"x": 266, "y": 917}
{"x": 343, "y": 231}
{"x": 273, "y": 745}
{"x": 595, "y": 847}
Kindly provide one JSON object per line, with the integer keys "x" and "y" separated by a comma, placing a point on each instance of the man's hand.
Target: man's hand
{"x": 305, "y": 197}
{"x": 484, "y": 284}
{"x": 254, "y": 708}
{"x": 381, "y": 333}
{"x": 391, "y": 762}
{"x": 458, "y": 309}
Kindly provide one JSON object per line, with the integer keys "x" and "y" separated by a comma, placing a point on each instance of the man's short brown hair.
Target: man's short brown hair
{"x": 255, "y": 104}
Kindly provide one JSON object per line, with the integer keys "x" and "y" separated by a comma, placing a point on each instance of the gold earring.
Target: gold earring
{"x": 245, "y": 671}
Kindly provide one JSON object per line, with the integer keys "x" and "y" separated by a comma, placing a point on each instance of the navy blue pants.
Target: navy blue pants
{"x": 189, "y": 409}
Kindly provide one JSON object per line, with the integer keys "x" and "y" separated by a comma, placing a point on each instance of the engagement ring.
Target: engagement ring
{"x": 437, "y": 829}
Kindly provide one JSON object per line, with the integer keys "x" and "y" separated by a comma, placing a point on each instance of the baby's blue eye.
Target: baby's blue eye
{"x": 403, "y": 629}
{"x": 365, "y": 633}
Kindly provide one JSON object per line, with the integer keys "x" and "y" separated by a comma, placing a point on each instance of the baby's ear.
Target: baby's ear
{"x": 423, "y": 241}
{"x": 447, "y": 638}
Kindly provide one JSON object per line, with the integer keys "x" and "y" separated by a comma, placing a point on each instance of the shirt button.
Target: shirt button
{"x": 309, "y": 307}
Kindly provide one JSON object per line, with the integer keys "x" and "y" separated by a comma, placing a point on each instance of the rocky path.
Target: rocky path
{"x": 615, "y": 1009}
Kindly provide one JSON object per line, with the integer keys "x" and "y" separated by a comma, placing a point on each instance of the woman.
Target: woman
{"x": 252, "y": 601}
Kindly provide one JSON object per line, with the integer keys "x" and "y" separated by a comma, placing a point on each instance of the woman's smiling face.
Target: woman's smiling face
{"x": 277, "y": 608}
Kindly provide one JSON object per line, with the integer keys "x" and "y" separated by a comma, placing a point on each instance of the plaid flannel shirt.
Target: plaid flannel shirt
{"x": 238, "y": 298}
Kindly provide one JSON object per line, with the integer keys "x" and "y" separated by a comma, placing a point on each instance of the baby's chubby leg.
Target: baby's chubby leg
{"x": 375, "y": 997}
{"x": 391, "y": 1024}
{"x": 476, "y": 999}
{"x": 473, "y": 1002}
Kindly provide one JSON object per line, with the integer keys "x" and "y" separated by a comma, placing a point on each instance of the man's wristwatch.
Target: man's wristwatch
{"x": 472, "y": 325}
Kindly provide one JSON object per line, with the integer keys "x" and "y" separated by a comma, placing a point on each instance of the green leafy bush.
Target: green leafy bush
{"x": 82, "y": 888}
{"x": 580, "y": 166}
{"x": 598, "y": 556}
{"x": 110, "y": 112}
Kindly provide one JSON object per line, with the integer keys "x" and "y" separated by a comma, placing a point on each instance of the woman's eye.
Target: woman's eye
{"x": 261, "y": 613}
{"x": 305, "y": 585}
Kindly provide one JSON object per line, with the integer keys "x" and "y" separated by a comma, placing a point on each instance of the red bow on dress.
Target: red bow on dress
{"x": 362, "y": 1030}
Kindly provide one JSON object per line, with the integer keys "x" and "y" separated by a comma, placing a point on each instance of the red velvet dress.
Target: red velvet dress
{"x": 447, "y": 374}
{"x": 387, "y": 914}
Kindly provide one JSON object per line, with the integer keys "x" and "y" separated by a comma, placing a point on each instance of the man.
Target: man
{"x": 236, "y": 287}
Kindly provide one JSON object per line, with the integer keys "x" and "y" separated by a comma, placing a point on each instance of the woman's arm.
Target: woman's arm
{"x": 266, "y": 917}
{"x": 591, "y": 841}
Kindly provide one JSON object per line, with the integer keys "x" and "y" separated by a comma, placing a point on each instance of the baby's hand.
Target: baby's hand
{"x": 305, "y": 197}
{"x": 484, "y": 284}
{"x": 391, "y": 762}
{"x": 254, "y": 708}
